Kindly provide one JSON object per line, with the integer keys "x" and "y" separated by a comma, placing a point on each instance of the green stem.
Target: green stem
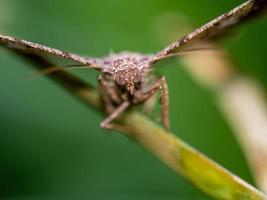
{"x": 201, "y": 171}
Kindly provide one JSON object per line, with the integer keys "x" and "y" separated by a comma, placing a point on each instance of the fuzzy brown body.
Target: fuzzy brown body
{"x": 125, "y": 82}
{"x": 125, "y": 77}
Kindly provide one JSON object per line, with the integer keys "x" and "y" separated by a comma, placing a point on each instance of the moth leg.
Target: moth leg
{"x": 149, "y": 105}
{"x": 110, "y": 90}
{"x": 107, "y": 122}
{"x": 164, "y": 104}
{"x": 162, "y": 86}
{"x": 106, "y": 99}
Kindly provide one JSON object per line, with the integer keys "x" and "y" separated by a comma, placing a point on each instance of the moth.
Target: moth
{"x": 123, "y": 79}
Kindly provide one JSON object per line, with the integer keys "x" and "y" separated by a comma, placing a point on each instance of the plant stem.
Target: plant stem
{"x": 202, "y": 172}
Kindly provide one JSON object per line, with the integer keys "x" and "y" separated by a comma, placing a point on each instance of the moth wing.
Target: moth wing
{"x": 39, "y": 49}
{"x": 214, "y": 28}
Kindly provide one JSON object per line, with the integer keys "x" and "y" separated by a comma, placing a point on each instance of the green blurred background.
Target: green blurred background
{"x": 51, "y": 144}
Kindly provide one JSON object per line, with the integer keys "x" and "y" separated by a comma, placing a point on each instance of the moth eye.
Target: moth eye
{"x": 120, "y": 79}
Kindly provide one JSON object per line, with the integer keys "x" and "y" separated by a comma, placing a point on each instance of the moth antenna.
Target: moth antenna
{"x": 197, "y": 50}
{"x": 53, "y": 69}
{"x": 187, "y": 52}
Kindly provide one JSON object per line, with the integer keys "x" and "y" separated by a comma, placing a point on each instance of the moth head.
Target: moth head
{"x": 128, "y": 75}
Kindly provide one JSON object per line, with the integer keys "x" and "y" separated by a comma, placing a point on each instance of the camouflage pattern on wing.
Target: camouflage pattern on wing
{"x": 214, "y": 28}
{"x": 38, "y": 49}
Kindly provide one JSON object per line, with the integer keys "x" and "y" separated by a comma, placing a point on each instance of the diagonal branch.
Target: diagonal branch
{"x": 195, "y": 167}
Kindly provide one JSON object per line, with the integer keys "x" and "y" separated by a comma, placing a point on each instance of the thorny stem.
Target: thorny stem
{"x": 202, "y": 172}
